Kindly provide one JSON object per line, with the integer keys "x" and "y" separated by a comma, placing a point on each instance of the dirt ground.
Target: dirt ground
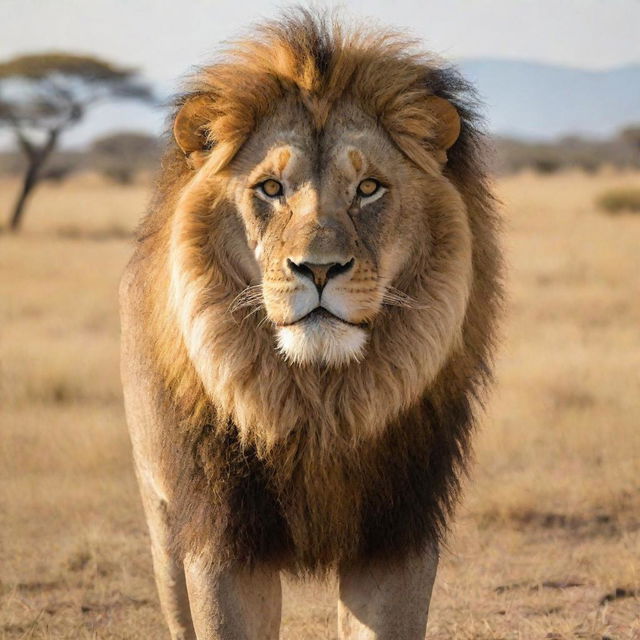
{"x": 547, "y": 541}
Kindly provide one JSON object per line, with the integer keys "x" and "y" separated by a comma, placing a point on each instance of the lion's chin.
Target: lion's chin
{"x": 327, "y": 341}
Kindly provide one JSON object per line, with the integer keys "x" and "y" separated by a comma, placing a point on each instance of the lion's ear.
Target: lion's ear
{"x": 447, "y": 122}
{"x": 190, "y": 127}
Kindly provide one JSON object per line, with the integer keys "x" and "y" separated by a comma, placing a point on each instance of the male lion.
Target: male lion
{"x": 307, "y": 326}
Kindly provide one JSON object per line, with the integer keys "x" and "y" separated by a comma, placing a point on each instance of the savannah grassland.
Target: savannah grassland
{"x": 547, "y": 541}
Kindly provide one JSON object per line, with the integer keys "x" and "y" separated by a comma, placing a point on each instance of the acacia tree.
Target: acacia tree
{"x": 43, "y": 95}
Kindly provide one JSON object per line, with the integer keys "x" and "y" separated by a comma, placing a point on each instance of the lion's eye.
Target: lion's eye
{"x": 271, "y": 188}
{"x": 368, "y": 187}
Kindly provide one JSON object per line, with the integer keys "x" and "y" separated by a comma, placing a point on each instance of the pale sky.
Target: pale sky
{"x": 165, "y": 39}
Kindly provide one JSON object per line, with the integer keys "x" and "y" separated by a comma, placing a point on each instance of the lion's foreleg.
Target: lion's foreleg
{"x": 233, "y": 604}
{"x": 387, "y": 601}
{"x": 149, "y": 421}
{"x": 168, "y": 569}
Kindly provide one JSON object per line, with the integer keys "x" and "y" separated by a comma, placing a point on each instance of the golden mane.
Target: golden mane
{"x": 303, "y": 461}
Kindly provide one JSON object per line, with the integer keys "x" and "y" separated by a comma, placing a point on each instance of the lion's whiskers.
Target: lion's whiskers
{"x": 263, "y": 321}
{"x": 253, "y": 312}
{"x": 251, "y": 296}
{"x": 395, "y": 298}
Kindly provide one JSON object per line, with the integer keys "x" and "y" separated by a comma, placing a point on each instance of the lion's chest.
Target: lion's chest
{"x": 313, "y": 512}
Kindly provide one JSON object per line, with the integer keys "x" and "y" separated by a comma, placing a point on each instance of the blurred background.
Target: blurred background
{"x": 547, "y": 540}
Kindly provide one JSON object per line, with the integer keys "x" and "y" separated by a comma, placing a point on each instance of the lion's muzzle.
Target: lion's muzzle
{"x": 320, "y": 274}
{"x": 318, "y": 317}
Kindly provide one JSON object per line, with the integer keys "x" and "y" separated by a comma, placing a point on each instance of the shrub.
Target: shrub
{"x": 620, "y": 200}
{"x": 121, "y": 156}
{"x": 120, "y": 174}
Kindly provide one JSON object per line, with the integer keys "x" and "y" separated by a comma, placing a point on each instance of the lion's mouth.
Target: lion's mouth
{"x": 320, "y": 314}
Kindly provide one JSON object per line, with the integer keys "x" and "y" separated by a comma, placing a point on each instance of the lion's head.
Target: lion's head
{"x": 335, "y": 216}
{"x": 331, "y": 240}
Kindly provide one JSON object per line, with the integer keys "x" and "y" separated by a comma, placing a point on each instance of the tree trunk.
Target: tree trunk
{"x": 36, "y": 158}
{"x": 30, "y": 180}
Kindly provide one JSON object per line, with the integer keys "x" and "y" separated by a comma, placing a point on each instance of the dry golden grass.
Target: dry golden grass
{"x": 551, "y": 521}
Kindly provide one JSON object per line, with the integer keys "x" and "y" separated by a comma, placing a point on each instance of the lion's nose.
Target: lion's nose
{"x": 320, "y": 274}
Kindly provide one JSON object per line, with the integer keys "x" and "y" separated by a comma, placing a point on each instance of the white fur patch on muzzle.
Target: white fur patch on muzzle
{"x": 322, "y": 341}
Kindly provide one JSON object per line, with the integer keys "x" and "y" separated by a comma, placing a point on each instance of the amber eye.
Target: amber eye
{"x": 271, "y": 188}
{"x": 368, "y": 187}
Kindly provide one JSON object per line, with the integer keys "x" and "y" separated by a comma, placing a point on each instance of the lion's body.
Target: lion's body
{"x": 259, "y": 463}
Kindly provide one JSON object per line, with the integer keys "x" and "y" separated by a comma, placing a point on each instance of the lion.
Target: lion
{"x": 308, "y": 324}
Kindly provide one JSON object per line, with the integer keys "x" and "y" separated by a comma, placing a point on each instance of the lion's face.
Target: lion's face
{"x": 331, "y": 221}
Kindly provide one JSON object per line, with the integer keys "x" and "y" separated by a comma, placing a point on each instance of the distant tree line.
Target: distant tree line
{"x": 622, "y": 151}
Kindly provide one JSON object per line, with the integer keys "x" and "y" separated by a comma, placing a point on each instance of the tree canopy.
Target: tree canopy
{"x": 53, "y": 90}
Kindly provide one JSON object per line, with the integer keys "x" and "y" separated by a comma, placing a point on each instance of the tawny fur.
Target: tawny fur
{"x": 308, "y": 467}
